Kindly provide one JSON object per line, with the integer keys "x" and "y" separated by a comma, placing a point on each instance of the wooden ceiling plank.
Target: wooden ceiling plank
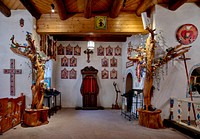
{"x": 31, "y": 8}
{"x": 60, "y": 6}
{"x": 144, "y": 6}
{"x": 175, "y": 4}
{"x": 88, "y": 9}
{"x": 115, "y": 10}
{"x": 4, "y": 9}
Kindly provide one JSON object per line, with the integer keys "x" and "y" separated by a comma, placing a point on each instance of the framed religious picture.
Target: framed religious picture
{"x": 186, "y": 34}
{"x": 64, "y": 74}
{"x": 113, "y": 62}
{"x": 113, "y": 74}
{"x": 64, "y": 61}
{"x": 100, "y": 22}
{"x": 118, "y": 51}
{"x": 69, "y": 50}
{"x": 43, "y": 46}
{"x": 100, "y": 51}
{"x": 60, "y": 50}
{"x": 72, "y": 74}
{"x": 109, "y": 51}
{"x": 104, "y": 74}
{"x": 104, "y": 62}
{"x": 77, "y": 50}
{"x": 73, "y": 62}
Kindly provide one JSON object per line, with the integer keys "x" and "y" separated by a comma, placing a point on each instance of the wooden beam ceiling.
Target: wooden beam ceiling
{"x": 4, "y": 9}
{"x": 175, "y": 4}
{"x": 60, "y": 6}
{"x": 31, "y": 8}
{"x": 145, "y": 5}
{"x": 116, "y": 7}
{"x": 88, "y": 9}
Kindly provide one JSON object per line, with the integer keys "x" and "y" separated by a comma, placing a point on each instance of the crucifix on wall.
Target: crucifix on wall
{"x": 12, "y": 71}
{"x": 88, "y": 52}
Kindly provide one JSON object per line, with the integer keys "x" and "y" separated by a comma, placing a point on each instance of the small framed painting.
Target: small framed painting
{"x": 113, "y": 62}
{"x": 100, "y": 51}
{"x": 69, "y": 50}
{"x": 64, "y": 61}
{"x": 77, "y": 50}
{"x": 109, "y": 51}
{"x": 64, "y": 74}
{"x": 104, "y": 62}
{"x": 100, "y": 22}
{"x": 60, "y": 50}
{"x": 72, "y": 74}
{"x": 104, "y": 74}
{"x": 73, "y": 62}
{"x": 113, "y": 74}
{"x": 117, "y": 51}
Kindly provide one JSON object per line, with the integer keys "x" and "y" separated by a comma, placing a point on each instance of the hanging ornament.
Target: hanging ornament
{"x": 21, "y": 22}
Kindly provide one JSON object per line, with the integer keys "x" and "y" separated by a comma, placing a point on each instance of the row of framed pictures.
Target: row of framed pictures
{"x": 65, "y": 62}
{"x": 70, "y": 50}
{"x": 113, "y": 62}
{"x": 109, "y": 51}
{"x": 105, "y": 74}
{"x": 72, "y": 74}
{"x": 68, "y": 74}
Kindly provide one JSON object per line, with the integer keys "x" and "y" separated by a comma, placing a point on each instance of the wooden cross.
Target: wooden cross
{"x": 12, "y": 71}
{"x": 88, "y": 52}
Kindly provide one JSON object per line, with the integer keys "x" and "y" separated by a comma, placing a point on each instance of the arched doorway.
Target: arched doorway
{"x": 195, "y": 81}
{"x": 129, "y": 82}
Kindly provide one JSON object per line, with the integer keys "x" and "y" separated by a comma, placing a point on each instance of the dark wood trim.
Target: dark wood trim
{"x": 145, "y": 5}
{"x": 60, "y": 6}
{"x": 88, "y": 9}
{"x": 31, "y": 8}
{"x": 175, "y": 4}
{"x": 103, "y": 38}
{"x": 4, "y": 9}
{"x": 116, "y": 7}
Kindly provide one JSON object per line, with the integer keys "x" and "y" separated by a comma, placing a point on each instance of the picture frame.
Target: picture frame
{"x": 72, "y": 74}
{"x": 101, "y": 22}
{"x": 77, "y": 50}
{"x": 104, "y": 74}
{"x": 60, "y": 50}
{"x": 118, "y": 51}
{"x": 69, "y": 50}
{"x": 113, "y": 74}
{"x": 64, "y": 61}
{"x": 104, "y": 62}
{"x": 109, "y": 51}
{"x": 100, "y": 51}
{"x": 73, "y": 62}
{"x": 64, "y": 74}
{"x": 113, "y": 62}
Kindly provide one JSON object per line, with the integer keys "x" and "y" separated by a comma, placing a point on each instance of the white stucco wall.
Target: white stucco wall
{"x": 10, "y": 26}
{"x": 70, "y": 88}
{"x": 175, "y": 83}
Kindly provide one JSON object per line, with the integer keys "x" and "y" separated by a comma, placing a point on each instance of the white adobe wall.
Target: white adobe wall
{"x": 10, "y": 26}
{"x": 175, "y": 83}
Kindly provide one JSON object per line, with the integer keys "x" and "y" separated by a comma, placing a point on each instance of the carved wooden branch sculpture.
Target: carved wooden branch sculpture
{"x": 146, "y": 59}
{"x": 30, "y": 52}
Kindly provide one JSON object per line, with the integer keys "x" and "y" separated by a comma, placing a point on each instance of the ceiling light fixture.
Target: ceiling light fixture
{"x": 52, "y": 8}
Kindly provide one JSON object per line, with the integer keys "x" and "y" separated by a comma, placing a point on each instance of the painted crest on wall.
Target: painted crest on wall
{"x": 186, "y": 34}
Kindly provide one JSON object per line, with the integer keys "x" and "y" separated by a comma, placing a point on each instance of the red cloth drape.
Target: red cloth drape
{"x": 89, "y": 85}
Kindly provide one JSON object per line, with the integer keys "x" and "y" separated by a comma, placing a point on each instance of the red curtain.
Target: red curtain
{"x": 89, "y": 85}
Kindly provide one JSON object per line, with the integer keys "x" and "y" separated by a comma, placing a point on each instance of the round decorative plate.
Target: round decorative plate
{"x": 187, "y": 34}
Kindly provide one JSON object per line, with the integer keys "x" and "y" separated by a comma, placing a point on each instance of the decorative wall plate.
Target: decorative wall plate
{"x": 186, "y": 34}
